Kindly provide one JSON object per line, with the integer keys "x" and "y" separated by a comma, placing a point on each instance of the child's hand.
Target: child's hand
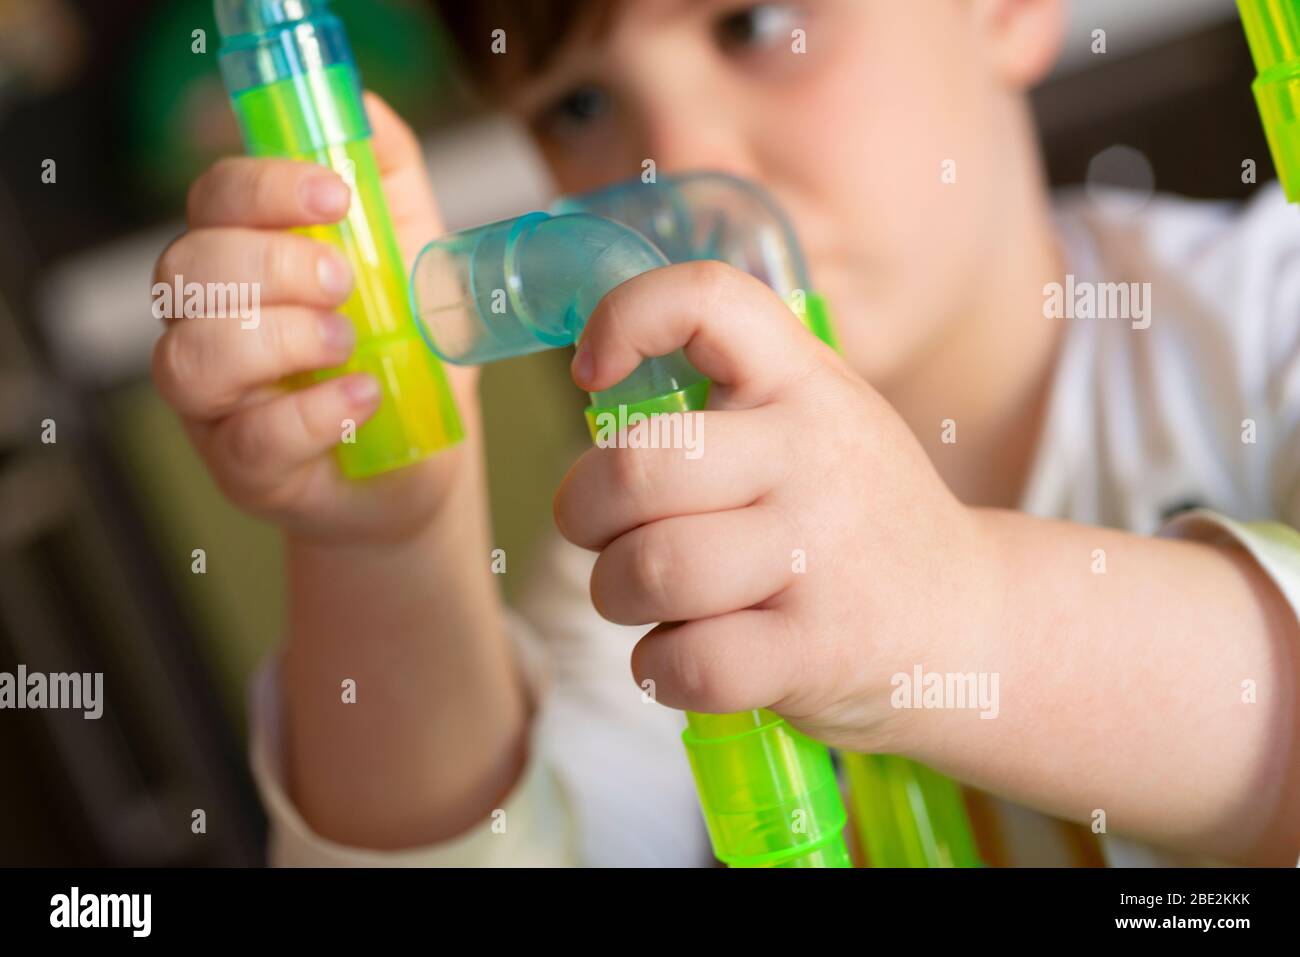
{"x": 270, "y": 448}
{"x": 807, "y": 555}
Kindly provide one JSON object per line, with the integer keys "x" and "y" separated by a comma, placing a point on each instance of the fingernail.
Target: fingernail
{"x": 361, "y": 389}
{"x": 326, "y": 197}
{"x": 584, "y": 364}
{"x": 337, "y": 334}
{"x": 334, "y": 275}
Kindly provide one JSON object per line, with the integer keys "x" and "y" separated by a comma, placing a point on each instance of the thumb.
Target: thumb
{"x": 400, "y": 157}
{"x": 411, "y": 206}
{"x": 732, "y": 327}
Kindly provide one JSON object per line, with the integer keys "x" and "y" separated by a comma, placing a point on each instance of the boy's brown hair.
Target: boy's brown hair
{"x": 535, "y": 31}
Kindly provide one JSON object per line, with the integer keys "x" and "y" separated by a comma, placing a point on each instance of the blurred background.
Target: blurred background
{"x": 97, "y": 529}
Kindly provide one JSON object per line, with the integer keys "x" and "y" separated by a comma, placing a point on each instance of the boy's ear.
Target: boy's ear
{"x": 1023, "y": 37}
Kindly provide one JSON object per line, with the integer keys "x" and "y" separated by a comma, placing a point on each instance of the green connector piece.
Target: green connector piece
{"x": 769, "y": 794}
{"x": 1273, "y": 32}
{"x": 908, "y": 815}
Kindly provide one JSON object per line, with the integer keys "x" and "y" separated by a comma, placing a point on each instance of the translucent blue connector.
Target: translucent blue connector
{"x": 709, "y": 215}
{"x": 529, "y": 284}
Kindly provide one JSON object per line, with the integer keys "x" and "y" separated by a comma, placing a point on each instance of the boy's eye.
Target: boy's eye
{"x": 757, "y": 27}
{"x": 579, "y": 107}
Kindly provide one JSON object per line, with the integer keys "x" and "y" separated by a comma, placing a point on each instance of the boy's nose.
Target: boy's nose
{"x": 682, "y": 141}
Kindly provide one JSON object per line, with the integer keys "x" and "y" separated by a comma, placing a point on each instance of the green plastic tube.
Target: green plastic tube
{"x": 768, "y": 793}
{"x": 1273, "y": 32}
{"x": 908, "y": 815}
{"x": 295, "y": 90}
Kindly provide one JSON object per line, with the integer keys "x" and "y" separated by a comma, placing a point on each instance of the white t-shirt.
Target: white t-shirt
{"x": 1198, "y": 410}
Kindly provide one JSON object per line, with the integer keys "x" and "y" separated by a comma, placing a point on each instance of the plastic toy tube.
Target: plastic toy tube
{"x": 290, "y": 74}
{"x": 907, "y": 815}
{"x": 1273, "y": 31}
{"x": 708, "y": 215}
{"x": 769, "y": 794}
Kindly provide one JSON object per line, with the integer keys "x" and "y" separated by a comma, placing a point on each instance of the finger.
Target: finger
{"x": 266, "y": 193}
{"x": 277, "y": 268}
{"x": 416, "y": 218}
{"x": 747, "y": 659}
{"x": 253, "y": 450}
{"x": 694, "y": 566}
{"x": 610, "y": 491}
{"x": 395, "y": 144}
{"x": 206, "y": 368}
{"x": 734, "y": 330}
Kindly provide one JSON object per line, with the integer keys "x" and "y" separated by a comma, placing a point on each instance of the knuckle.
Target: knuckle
{"x": 307, "y": 420}
{"x": 265, "y": 189}
{"x": 709, "y": 271}
{"x": 630, "y": 475}
{"x": 565, "y": 513}
{"x": 204, "y": 185}
{"x": 246, "y": 442}
{"x": 278, "y": 496}
{"x": 696, "y": 683}
{"x": 172, "y": 365}
{"x": 714, "y": 283}
{"x": 170, "y": 261}
{"x": 275, "y": 260}
{"x": 709, "y": 274}
{"x": 266, "y": 495}
{"x": 278, "y": 339}
{"x": 600, "y": 589}
{"x": 194, "y": 195}
{"x": 651, "y": 568}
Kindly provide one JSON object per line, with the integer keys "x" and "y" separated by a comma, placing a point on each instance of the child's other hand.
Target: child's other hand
{"x": 270, "y": 448}
{"x": 807, "y": 555}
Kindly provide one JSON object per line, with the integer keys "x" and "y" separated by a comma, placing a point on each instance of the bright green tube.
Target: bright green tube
{"x": 908, "y": 815}
{"x": 769, "y": 794}
{"x": 1273, "y": 31}
{"x": 296, "y": 93}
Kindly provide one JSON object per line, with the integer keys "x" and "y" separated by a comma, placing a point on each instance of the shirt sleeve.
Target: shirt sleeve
{"x": 535, "y": 830}
{"x": 1265, "y": 291}
{"x": 1254, "y": 283}
{"x": 1275, "y": 546}
{"x": 606, "y": 783}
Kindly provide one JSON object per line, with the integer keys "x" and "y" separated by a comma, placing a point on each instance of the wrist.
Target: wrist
{"x": 425, "y": 562}
{"x": 958, "y": 633}
{"x": 440, "y": 497}
{"x": 991, "y": 573}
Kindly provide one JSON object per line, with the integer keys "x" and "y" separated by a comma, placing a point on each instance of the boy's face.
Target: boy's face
{"x": 854, "y": 136}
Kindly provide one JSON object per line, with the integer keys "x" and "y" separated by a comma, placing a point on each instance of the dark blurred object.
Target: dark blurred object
{"x": 79, "y": 593}
{"x": 144, "y": 112}
{"x": 41, "y": 47}
{"x": 179, "y": 118}
{"x": 1187, "y": 106}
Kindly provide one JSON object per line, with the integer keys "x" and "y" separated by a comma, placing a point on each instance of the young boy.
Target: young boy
{"x": 976, "y": 487}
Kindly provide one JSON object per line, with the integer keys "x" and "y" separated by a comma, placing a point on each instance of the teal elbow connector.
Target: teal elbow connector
{"x": 710, "y": 215}
{"x": 1273, "y": 32}
{"x": 529, "y": 284}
